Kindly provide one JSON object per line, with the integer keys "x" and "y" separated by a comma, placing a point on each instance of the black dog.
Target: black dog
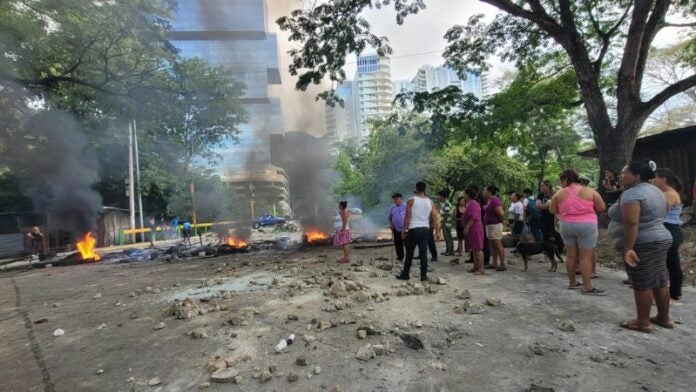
{"x": 527, "y": 249}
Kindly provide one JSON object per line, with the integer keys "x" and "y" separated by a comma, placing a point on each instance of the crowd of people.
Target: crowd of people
{"x": 643, "y": 204}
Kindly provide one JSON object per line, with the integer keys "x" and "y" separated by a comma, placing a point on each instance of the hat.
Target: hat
{"x": 397, "y": 194}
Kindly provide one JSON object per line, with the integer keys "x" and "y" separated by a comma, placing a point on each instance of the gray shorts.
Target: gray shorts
{"x": 579, "y": 235}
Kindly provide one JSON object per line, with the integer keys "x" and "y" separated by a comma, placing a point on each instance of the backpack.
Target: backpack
{"x": 532, "y": 210}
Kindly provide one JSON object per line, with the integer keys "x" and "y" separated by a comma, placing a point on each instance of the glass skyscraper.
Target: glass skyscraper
{"x": 234, "y": 34}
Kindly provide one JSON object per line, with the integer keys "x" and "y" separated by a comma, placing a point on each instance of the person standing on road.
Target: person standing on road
{"x": 671, "y": 186}
{"x": 473, "y": 230}
{"x": 532, "y": 214}
{"x": 459, "y": 222}
{"x": 419, "y": 214}
{"x": 636, "y": 225}
{"x": 153, "y": 231}
{"x": 397, "y": 213}
{"x": 342, "y": 235}
{"x": 577, "y": 207}
{"x": 516, "y": 214}
{"x": 493, "y": 219}
{"x": 34, "y": 243}
{"x": 446, "y": 222}
{"x": 187, "y": 233}
{"x": 548, "y": 223}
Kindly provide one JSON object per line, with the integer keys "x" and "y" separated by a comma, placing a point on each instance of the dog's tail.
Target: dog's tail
{"x": 558, "y": 254}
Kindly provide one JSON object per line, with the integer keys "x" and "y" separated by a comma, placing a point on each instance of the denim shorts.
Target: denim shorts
{"x": 579, "y": 235}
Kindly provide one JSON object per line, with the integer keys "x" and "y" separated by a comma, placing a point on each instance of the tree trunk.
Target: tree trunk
{"x": 614, "y": 148}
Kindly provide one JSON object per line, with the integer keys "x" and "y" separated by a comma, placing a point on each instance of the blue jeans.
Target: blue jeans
{"x": 418, "y": 236}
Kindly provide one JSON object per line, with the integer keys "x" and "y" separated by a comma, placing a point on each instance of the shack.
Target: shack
{"x": 675, "y": 149}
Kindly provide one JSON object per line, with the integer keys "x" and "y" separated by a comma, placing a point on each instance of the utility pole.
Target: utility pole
{"x": 131, "y": 183}
{"x": 137, "y": 179}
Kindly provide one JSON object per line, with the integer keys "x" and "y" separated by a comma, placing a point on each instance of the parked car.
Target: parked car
{"x": 268, "y": 220}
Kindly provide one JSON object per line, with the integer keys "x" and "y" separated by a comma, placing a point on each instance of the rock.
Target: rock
{"x": 361, "y": 296}
{"x": 139, "y": 387}
{"x": 493, "y": 302}
{"x": 540, "y": 388}
{"x": 317, "y": 370}
{"x": 464, "y": 295}
{"x": 379, "y": 349}
{"x": 292, "y": 377}
{"x": 130, "y": 380}
{"x": 97, "y": 296}
{"x": 323, "y": 324}
{"x": 237, "y": 358}
{"x": 216, "y": 364}
{"x": 132, "y": 294}
{"x": 100, "y": 371}
{"x": 455, "y": 261}
{"x": 566, "y": 326}
{"x": 350, "y": 285}
{"x": 154, "y": 382}
{"x": 418, "y": 289}
{"x": 441, "y": 281}
{"x": 58, "y": 332}
{"x": 309, "y": 338}
{"x": 265, "y": 377}
{"x": 362, "y": 334}
{"x": 301, "y": 361}
{"x": 148, "y": 289}
{"x": 293, "y": 317}
{"x": 238, "y": 379}
{"x": 412, "y": 340}
{"x": 160, "y": 326}
{"x": 204, "y": 385}
{"x": 56, "y": 305}
{"x": 365, "y": 353}
{"x": 198, "y": 333}
{"x": 475, "y": 309}
{"x": 224, "y": 376}
{"x": 385, "y": 267}
{"x": 336, "y": 388}
{"x": 236, "y": 321}
{"x": 438, "y": 366}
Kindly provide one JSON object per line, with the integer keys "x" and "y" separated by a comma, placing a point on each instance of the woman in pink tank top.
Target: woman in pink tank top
{"x": 576, "y": 207}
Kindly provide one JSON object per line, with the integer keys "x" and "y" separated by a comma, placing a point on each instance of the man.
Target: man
{"x": 153, "y": 231}
{"x": 548, "y": 223}
{"x": 533, "y": 215}
{"x": 397, "y": 213}
{"x": 446, "y": 222}
{"x": 187, "y": 233}
{"x": 419, "y": 214}
{"x": 34, "y": 243}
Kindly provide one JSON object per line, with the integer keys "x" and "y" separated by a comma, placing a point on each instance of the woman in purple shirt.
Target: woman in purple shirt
{"x": 493, "y": 219}
{"x": 473, "y": 230}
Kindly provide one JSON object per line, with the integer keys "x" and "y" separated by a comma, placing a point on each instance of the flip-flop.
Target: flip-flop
{"x": 577, "y": 286}
{"x": 500, "y": 269}
{"x": 668, "y": 325}
{"x": 635, "y": 327}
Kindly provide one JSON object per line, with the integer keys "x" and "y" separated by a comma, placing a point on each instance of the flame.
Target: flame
{"x": 86, "y": 247}
{"x": 316, "y": 236}
{"x": 236, "y": 243}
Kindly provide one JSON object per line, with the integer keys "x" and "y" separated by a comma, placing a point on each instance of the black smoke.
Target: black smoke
{"x": 57, "y": 170}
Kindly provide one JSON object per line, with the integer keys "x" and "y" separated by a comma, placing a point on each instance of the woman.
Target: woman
{"x": 670, "y": 185}
{"x": 493, "y": 219}
{"x": 459, "y": 221}
{"x": 473, "y": 230}
{"x": 342, "y": 235}
{"x": 576, "y": 207}
{"x": 611, "y": 186}
{"x": 516, "y": 215}
{"x": 637, "y": 228}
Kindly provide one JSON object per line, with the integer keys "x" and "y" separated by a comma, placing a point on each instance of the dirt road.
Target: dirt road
{"x": 113, "y": 340}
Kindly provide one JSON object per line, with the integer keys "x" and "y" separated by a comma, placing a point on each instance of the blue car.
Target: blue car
{"x": 268, "y": 220}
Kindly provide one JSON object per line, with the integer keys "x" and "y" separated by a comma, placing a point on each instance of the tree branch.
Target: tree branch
{"x": 627, "y": 86}
{"x": 681, "y": 86}
{"x": 541, "y": 19}
{"x": 667, "y": 24}
{"x": 652, "y": 27}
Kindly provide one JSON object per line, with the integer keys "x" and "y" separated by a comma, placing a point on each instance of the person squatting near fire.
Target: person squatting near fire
{"x": 397, "y": 213}
{"x": 417, "y": 231}
{"x": 342, "y": 234}
{"x": 34, "y": 243}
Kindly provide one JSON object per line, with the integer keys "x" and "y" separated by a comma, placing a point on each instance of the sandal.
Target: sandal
{"x": 593, "y": 291}
{"x": 633, "y": 326}
{"x": 663, "y": 324}
{"x": 501, "y": 268}
{"x": 490, "y": 266}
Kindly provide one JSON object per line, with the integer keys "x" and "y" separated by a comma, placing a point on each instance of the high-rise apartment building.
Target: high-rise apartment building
{"x": 372, "y": 91}
{"x": 341, "y": 121}
{"x": 429, "y": 78}
{"x": 234, "y": 34}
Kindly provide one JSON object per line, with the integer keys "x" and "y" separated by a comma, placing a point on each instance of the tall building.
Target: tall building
{"x": 402, "y": 86}
{"x": 341, "y": 121}
{"x": 234, "y": 34}
{"x": 429, "y": 78}
{"x": 372, "y": 91}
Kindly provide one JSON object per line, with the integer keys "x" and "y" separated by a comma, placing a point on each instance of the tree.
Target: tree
{"x": 605, "y": 42}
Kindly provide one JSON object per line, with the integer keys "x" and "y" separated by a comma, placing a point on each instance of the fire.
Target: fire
{"x": 86, "y": 247}
{"x": 236, "y": 243}
{"x": 316, "y": 236}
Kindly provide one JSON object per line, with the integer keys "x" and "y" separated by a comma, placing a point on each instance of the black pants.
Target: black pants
{"x": 549, "y": 233}
{"x": 431, "y": 245}
{"x": 535, "y": 228}
{"x": 398, "y": 244}
{"x": 449, "y": 242}
{"x": 420, "y": 237}
{"x": 676, "y": 275}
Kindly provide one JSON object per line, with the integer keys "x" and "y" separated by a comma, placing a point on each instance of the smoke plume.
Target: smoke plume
{"x": 58, "y": 169}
